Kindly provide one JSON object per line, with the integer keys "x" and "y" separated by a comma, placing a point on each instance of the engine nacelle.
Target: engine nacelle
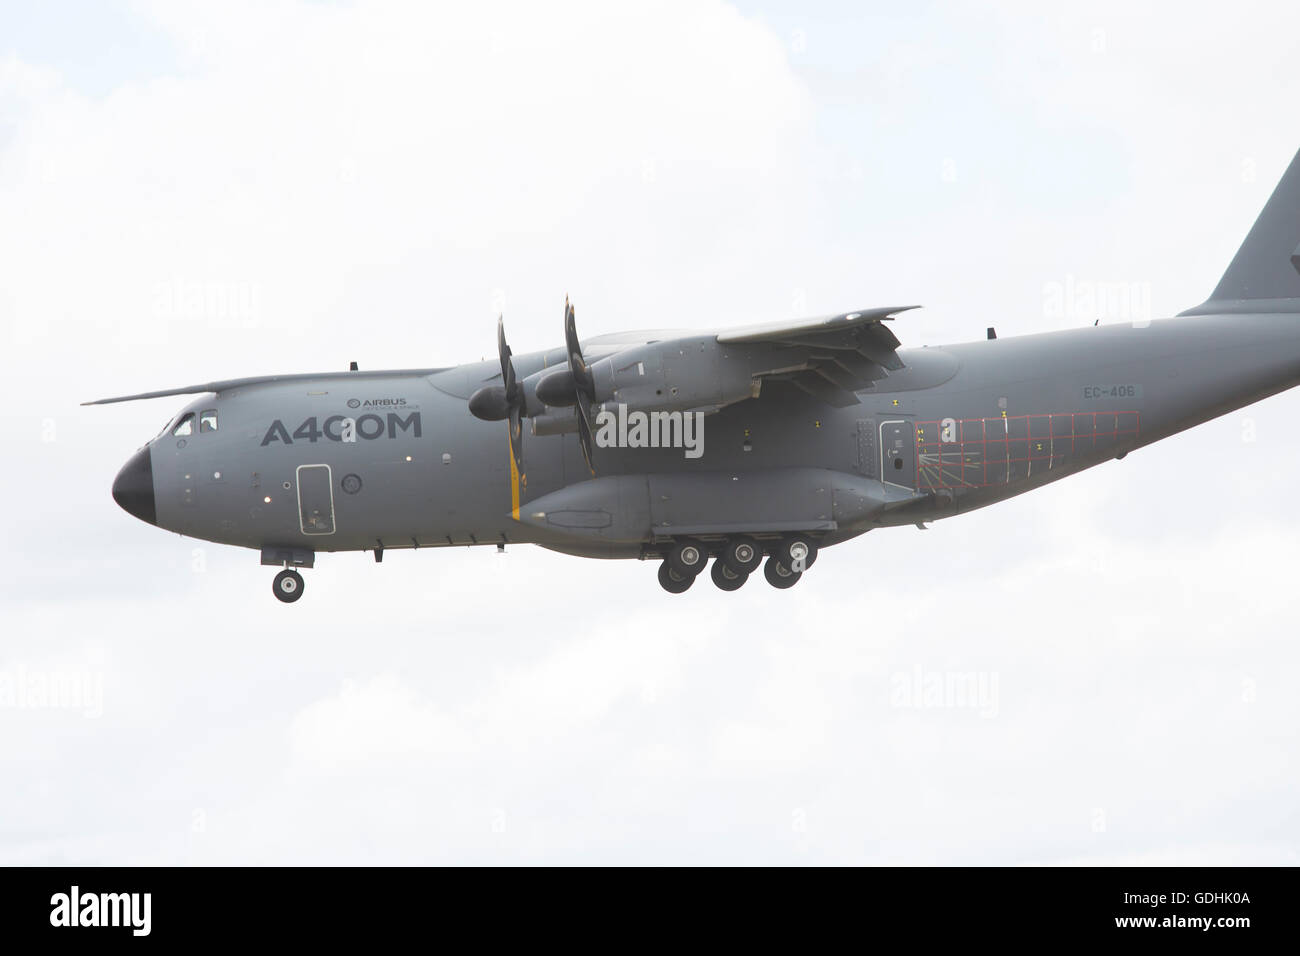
{"x": 561, "y": 421}
{"x": 685, "y": 375}
{"x": 490, "y": 404}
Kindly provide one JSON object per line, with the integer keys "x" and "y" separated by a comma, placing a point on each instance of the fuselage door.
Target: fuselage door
{"x": 315, "y": 499}
{"x": 898, "y": 452}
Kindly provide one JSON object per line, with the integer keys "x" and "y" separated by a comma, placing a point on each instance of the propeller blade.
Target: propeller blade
{"x": 584, "y": 386}
{"x": 582, "y": 380}
{"x": 517, "y": 436}
{"x": 585, "y": 439}
{"x": 508, "y": 378}
{"x": 506, "y": 400}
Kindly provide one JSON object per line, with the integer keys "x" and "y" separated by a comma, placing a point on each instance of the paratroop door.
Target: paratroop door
{"x": 898, "y": 452}
{"x": 315, "y": 499}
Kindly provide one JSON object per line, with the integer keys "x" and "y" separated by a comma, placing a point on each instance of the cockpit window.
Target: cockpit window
{"x": 208, "y": 420}
{"x": 185, "y": 426}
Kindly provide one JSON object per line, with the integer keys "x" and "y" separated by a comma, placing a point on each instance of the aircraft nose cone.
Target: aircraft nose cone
{"x": 133, "y": 487}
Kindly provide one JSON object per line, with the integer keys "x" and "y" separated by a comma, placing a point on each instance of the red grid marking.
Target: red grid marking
{"x": 933, "y": 474}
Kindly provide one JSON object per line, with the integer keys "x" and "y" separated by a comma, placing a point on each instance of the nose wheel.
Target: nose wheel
{"x": 287, "y": 586}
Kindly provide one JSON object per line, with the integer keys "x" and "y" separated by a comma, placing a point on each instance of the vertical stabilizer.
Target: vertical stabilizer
{"x": 1264, "y": 276}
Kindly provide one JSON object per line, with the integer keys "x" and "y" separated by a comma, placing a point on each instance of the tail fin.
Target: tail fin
{"x": 1265, "y": 274}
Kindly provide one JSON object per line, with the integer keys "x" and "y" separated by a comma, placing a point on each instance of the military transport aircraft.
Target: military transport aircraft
{"x": 686, "y": 447}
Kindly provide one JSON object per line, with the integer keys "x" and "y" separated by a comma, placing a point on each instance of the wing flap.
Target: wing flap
{"x": 830, "y": 358}
{"x": 823, "y": 389}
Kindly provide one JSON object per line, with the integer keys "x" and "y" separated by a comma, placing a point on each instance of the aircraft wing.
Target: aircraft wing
{"x": 829, "y": 357}
{"x": 237, "y": 383}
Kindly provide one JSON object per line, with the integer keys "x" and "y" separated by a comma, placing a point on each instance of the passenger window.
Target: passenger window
{"x": 185, "y": 426}
{"x": 208, "y": 420}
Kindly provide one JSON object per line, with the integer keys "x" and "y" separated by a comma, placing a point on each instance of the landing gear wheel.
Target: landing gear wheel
{"x": 672, "y": 582}
{"x": 742, "y": 555}
{"x": 287, "y": 586}
{"x": 688, "y": 558}
{"x": 778, "y": 575}
{"x": 797, "y": 551}
{"x": 725, "y": 578}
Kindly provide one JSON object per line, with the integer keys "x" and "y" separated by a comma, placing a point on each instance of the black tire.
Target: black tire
{"x": 287, "y": 586}
{"x": 778, "y": 575}
{"x": 688, "y": 557}
{"x": 672, "y": 582}
{"x": 743, "y": 555}
{"x": 793, "y": 547}
{"x": 725, "y": 578}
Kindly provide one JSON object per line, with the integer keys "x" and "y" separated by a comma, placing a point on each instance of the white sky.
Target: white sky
{"x": 375, "y": 181}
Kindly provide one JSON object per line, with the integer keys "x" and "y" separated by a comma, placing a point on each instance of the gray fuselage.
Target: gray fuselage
{"x": 960, "y": 427}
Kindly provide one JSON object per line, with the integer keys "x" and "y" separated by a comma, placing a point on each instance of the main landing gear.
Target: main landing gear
{"x": 672, "y": 581}
{"x": 287, "y": 586}
{"x": 735, "y": 559}
{"x": 727, "y": 579}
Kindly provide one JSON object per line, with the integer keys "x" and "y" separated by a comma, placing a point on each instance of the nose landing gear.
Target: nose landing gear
{"x": 287, "y": 586}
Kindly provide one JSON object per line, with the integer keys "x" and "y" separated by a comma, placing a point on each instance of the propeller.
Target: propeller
{"x": 504, "y": 402}
{"x": 574, "y": 385}
{"x": 562, "y": 388}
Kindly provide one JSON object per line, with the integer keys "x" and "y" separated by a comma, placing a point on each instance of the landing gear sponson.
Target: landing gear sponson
{"x": 734, "y": 559}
